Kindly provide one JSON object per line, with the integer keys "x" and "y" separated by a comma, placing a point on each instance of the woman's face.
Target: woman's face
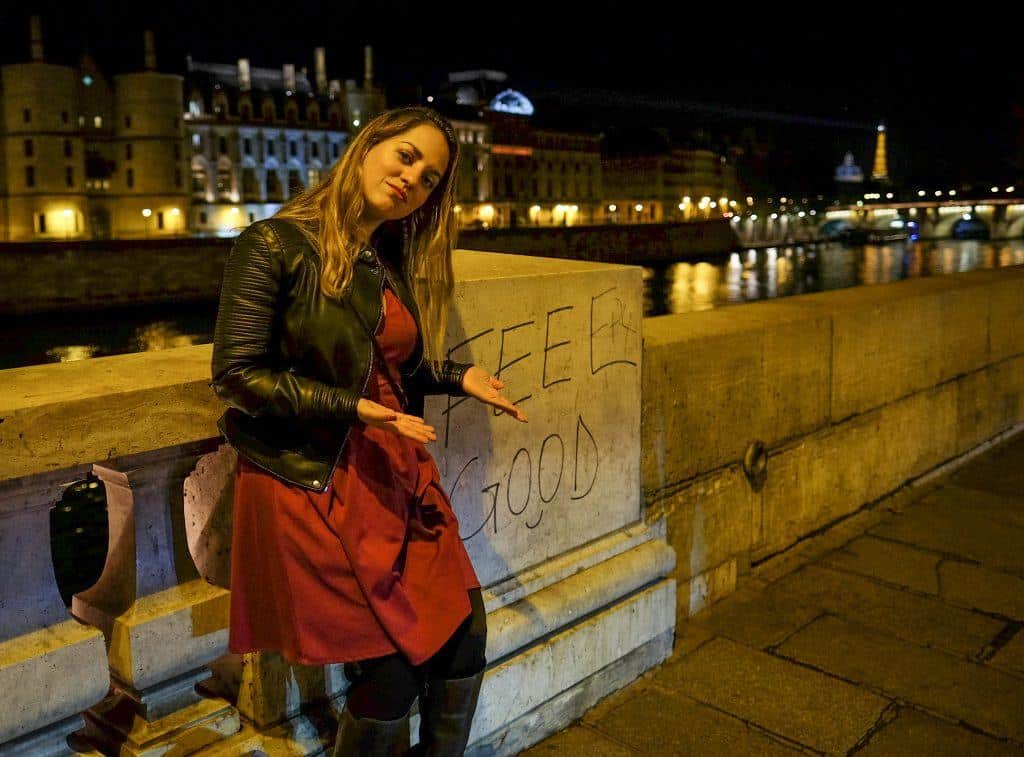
{"x": 400, "y": 173}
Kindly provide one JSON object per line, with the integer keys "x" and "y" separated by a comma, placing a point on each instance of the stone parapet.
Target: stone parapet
{"x": 551, "y": 514}
{"x": 852, "y": 394}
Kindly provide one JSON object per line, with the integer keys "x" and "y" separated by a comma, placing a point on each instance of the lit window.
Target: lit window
{"x": 97, "y": 122}
{"x": 196, "y": 140}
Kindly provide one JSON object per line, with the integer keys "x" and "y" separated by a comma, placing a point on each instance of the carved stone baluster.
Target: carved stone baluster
{"x": 162, "y": 622}
{"x": 51, "y": 666}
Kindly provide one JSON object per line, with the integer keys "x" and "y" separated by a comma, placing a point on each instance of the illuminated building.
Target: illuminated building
{"x": 849, "y": 172}
{"x": 84, "y": 159}
{"x": 156, "y": 154}
{"x": 258, "y": 136}
{"x": 513, "y": 174}
{"x": 647, "y": 181}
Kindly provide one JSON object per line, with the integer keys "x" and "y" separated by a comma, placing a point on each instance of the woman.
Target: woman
{"x": 344, "y": 545}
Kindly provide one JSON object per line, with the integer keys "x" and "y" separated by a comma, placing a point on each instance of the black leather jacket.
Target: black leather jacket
{"x": 292, "y": 363}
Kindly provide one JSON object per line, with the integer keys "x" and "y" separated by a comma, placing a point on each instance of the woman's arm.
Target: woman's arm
{"x": 242, "y": 365}
{"x": 448, "y": 381}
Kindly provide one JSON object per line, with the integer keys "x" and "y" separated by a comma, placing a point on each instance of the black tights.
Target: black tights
{"x": 384, "y": 688}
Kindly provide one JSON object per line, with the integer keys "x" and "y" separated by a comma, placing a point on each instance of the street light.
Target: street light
{"x": 146, "y": 213}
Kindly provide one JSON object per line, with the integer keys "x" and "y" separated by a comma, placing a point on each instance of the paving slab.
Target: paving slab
{"x": 1000, "y": 508}
{"x": 1001, "y": 470}
{"x": 766, "y": 618}
{"x": 758, "y": 617}
{"x": 888, "y": 561}
{"x": 578, "y": 740}
{"x": 914, "y": 617}
{"x": 658, "y": 723}
{"x": 803, "y": 705}
{"x": 982, "y": 588}
{"x": 1011, "y": 656}
{"x": 957, "y": 532}
{"x": 986, "y": 698}
{"x": 913, "y": 732}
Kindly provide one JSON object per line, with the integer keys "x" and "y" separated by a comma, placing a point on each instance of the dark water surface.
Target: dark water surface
{"x": 683, "y": 287}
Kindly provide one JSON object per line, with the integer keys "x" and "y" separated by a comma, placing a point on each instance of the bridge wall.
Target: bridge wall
{"x": 854, "y": 393}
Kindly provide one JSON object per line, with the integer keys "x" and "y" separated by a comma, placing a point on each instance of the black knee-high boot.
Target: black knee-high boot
{"x": 447, "y": 707}
{"x": 367, "y": 737}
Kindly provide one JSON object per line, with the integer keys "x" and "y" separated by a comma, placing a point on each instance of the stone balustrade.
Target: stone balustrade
{"x": 581, "y": 524}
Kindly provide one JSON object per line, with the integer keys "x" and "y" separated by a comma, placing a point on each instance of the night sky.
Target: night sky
{"x": 817, "y": 78}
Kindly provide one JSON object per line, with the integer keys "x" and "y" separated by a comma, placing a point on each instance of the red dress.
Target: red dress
{"x": 371, "y": 566}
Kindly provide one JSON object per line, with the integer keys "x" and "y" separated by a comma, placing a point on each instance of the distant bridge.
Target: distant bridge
{"x": 937, "y": 218}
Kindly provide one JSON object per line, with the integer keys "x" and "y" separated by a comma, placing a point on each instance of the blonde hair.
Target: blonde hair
{"x": 328, "y": 214}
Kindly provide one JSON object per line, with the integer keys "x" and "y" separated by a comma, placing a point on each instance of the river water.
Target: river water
{"x": 717, "y": 281}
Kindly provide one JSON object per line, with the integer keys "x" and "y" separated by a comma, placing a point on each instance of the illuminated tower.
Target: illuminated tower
{"x": 880, "y": 169}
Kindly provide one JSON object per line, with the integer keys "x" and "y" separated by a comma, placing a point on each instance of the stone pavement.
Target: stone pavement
{"x": 896, "y": 632}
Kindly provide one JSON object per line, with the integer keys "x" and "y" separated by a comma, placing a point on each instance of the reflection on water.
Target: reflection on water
{"x": 682, "y": 287}
{"x": 780, "y": 272}
{"x": 59, "y": 337}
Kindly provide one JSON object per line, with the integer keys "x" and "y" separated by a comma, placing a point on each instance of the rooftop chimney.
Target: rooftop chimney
{"x": 36, "y": 39}
{"x": 320, "y": 65}
{"x": 368, "y": 67}
{"x": 150, "y": 46}
{"x": 244, "y": 78}
{"x": 288, "y": 76}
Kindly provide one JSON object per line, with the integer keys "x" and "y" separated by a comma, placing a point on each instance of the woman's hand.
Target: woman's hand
{"x": 476, "y": 382}
{"x": 374, "y": 414}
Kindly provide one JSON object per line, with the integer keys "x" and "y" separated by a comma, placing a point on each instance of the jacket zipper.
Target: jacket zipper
{"x": 366, "y": 380}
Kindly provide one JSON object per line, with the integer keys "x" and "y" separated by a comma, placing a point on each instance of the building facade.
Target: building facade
{"x": 86, "y": 159}
{"x": 257, "y": 136}
{"x": 152, "y": 154}
{"x": 679, "y": 185}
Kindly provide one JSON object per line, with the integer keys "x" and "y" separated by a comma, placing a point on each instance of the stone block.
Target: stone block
{"x": 962, "y": 327}
{"x": 704, "y": 590}
{"x": 990, "y": 401}
{"x": 711, "y": 520}
{"x": 534, "y": 676}
{"x": 703, "y": 394}
{"x": 83, "y": 412}
{"x": 48, "y": 676}
{"x": 170, "y": 633}
{"x": 558, "y": 605}
{"x": 1006, "y": 314}
{"x": 566, "y": 338}
{"x": 570, "y": 705}
{"x": 830, "y": 474}
{"x": 883, "y": 350}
